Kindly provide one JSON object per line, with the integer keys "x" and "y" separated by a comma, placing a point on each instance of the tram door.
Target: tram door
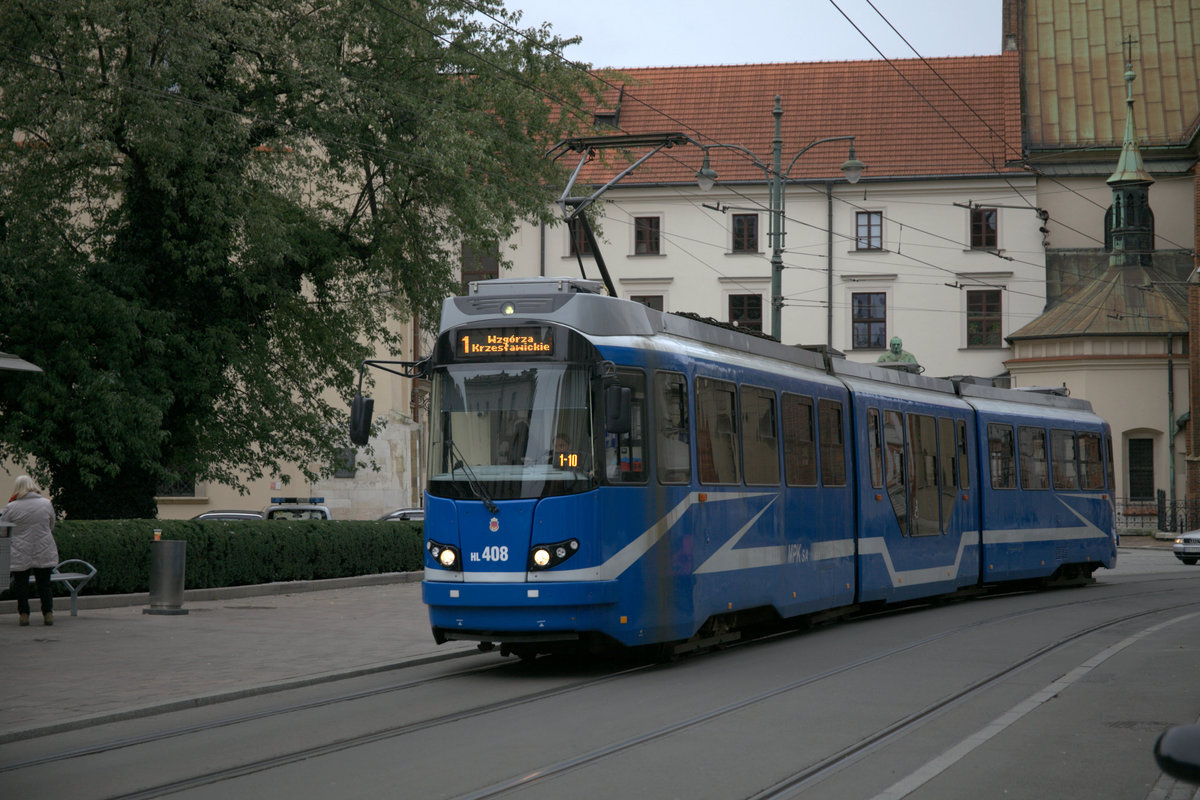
{"x": 919, "y": 533}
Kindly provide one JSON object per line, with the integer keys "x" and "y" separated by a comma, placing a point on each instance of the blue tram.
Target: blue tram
{"x": 602, "y": 472}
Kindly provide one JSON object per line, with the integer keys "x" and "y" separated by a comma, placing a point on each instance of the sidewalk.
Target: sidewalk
{"x": 114, "y": 662}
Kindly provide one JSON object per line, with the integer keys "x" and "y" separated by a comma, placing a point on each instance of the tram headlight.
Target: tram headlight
{"x": 545, "y": 556}
{"x": 443, "y": 554}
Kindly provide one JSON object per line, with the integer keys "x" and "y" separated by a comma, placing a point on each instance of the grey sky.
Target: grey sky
{"x": 643, "y": 33}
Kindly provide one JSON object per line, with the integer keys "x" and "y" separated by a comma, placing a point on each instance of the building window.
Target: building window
{"x": 745, "y": 311}
{"x": 984, "y": 222}
{"x": 983, "y": 318}
{"x": 579, "y": 244}
{"x": 646, "y": 236}
{"x": 869, "y": 320}
{"x": 185, "y": 486}
{"x": 479, "y": 265}
{"x": 654, "y": 301}
{"x": 345, "y": 465}
{"x": 869, "y": 230}
{"x": 745, "y": 233}
{"x": 1141, "y": 469}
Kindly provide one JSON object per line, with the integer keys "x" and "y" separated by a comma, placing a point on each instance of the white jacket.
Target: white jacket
{"x": 32, "y": 519}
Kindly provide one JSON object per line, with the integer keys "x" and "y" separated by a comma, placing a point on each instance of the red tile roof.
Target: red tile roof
{"x": 913, "y": 118}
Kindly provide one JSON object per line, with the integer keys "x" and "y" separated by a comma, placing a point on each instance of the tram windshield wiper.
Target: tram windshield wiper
{"x": 473, "y": 482}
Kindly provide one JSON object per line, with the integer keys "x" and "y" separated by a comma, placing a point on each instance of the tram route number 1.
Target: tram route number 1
{"x": 491, "y": 553}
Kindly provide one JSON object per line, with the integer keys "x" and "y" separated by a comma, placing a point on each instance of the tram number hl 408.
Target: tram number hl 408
{"x": 491, "y": 553}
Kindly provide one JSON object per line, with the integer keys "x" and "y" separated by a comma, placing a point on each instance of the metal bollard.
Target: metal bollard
{"x": 167, "y": 559}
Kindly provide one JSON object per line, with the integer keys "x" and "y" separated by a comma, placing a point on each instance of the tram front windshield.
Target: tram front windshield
{"x": 511, "y": 431}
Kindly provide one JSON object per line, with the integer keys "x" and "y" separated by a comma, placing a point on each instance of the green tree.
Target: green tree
{"x": 212, "y": 210}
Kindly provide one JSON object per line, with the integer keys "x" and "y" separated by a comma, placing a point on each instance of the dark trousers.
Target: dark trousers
{"x": 20, "y": 588}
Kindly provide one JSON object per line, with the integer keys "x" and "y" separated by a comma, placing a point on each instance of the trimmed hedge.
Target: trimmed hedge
{"x": 235, "y": 553}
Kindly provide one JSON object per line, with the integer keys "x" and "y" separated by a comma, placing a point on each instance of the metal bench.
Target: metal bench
{"x": 74, "y": 580}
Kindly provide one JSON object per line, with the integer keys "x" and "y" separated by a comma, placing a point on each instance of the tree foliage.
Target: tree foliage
{"x": 212, "y": 210}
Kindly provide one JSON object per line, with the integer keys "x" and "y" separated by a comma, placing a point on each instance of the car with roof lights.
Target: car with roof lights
{"x": 297, "y": 508}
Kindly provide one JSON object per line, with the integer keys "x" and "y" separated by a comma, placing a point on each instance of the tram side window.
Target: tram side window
{"x": 716, "y": 431}
{"x": 760, "y": 440}
{"x": 1063, "y": 459}
{"x": 964, "y": 464}
{"x": 1001, "y": 456}
{"x": 1091, "y": 462}
{"x": 832, "y": 440}
{"x": 625, "y": 453}
{"x": 1034, "y": 474}
{"x": 893, "y": 443}
{"x": 799, "y": 445}
{"x": 671, "y": 434}
{"x": 923, "y": 474}
{"x": 1108, "y": 464}
{"x": 946, "y": 468}
{"x": 875, "y": 447}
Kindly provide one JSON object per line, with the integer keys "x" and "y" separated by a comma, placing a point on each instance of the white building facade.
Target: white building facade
{"x": 862, "y": 263}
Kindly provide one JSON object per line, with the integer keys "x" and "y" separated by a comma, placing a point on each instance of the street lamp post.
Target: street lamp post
{"x": 706, "y": 177}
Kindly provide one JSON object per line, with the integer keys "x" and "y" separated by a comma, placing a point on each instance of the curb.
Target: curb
{"x": 232, "y": 592}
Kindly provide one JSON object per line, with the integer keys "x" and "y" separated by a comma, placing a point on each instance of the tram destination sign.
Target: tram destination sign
{"x": 504, "y": 342}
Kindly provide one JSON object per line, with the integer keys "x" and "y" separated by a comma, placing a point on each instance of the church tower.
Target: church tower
{"x": 1129, "y": 224}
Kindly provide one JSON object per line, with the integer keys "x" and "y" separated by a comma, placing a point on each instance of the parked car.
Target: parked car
{"x": 417, "y": 514}
{"x": 297, "y": 508}
{"x": 230, "y": 514}
{"x": 1187, "y": 547}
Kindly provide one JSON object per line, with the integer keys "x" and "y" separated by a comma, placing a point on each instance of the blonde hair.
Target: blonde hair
{"x": 23, "y": 486}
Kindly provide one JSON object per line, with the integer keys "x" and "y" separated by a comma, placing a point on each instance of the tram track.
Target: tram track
{"x": 528, "y": 778}
{"x": 815, "y": 772}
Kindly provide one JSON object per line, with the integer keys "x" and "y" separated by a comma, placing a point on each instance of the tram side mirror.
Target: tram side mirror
{"x": 617, "y": 402}
{"x": 361, "y": 409}
{"x": 1177, "y": 752}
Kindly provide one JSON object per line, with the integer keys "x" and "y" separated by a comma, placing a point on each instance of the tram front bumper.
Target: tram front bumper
{"x": 489, "y": 610}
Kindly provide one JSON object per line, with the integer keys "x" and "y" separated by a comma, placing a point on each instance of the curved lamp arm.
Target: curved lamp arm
{"x": 706, "y": 176}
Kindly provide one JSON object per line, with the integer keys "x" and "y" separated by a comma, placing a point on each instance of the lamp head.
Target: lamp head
{"x": 853, "y": 168}
{"x": 706, "y": 176}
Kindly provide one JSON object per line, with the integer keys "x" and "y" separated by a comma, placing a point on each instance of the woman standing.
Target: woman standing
{"x": 33, "y": 549}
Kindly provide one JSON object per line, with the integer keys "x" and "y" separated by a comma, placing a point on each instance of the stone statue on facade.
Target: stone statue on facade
{"x": 897, "y": 354}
